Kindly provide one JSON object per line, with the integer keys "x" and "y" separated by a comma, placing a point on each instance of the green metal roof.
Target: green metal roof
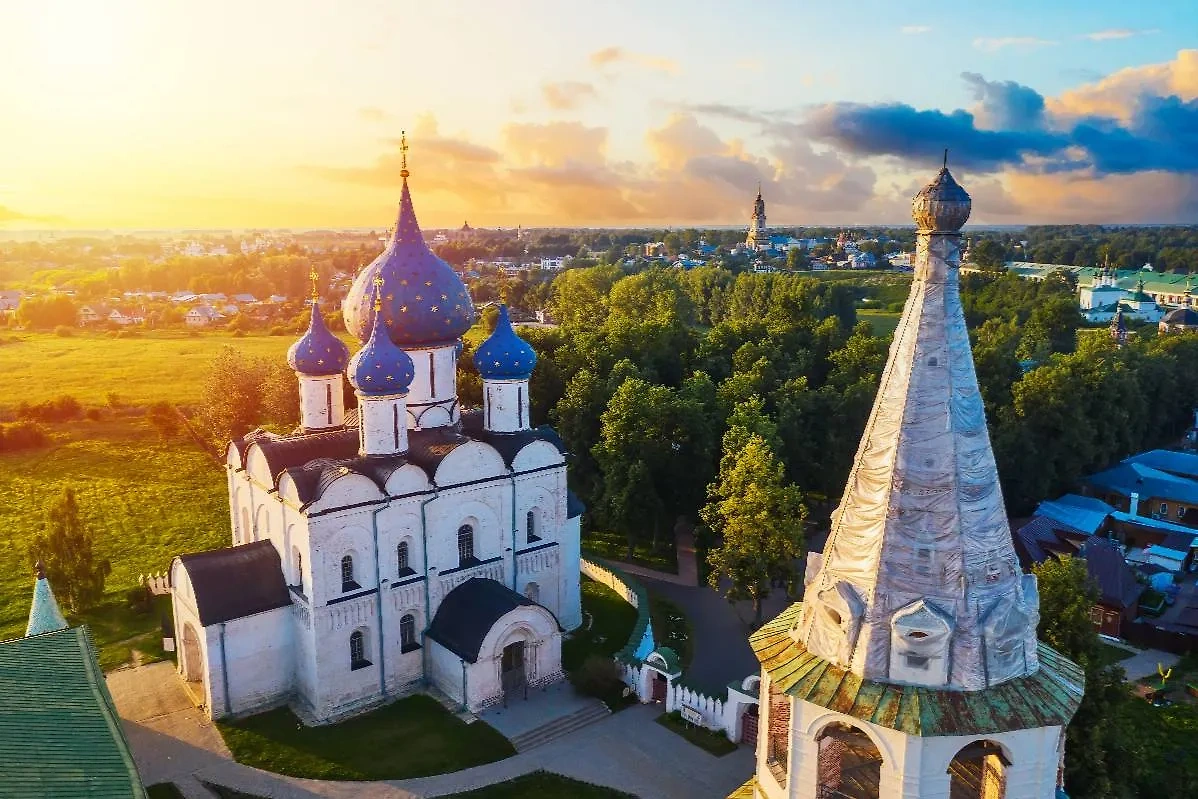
{"x": 1047, "y": 698}
{"x": 60, "y": 735}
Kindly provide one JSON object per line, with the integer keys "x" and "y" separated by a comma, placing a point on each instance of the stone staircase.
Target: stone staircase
{"x": 563, "y": 725}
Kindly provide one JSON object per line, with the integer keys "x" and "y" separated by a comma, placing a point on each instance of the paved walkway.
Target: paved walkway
{"x": 1143, "y": 664}
{"x": 628, "y": 751}
{"x": 688, "y": 562}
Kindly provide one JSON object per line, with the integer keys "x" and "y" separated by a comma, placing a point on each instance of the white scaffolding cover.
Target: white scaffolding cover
{"x": 922, "y": 517}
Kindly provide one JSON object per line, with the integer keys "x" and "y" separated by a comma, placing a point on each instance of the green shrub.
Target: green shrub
{"x": 93, "y": 414}
{"x": 63, "y": 408}
{"x": 22, "y": 435}
{"x": 64, "y": 331}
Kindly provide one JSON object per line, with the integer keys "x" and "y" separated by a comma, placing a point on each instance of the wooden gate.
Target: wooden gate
{"x": 748, "y": 726}
{"x": 660, "y": 684}
{"x": 512, "y": 671}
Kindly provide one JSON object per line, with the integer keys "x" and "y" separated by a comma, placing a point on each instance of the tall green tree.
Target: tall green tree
{"x": 66, "y": 549}
{"x": 757, "y": 518}
{"x": 1100, "y": 747}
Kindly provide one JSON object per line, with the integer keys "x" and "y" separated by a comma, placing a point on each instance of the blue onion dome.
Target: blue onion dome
{"x": 504, "y": 355}
{"x": 318, "y": 352}
{"x": 425, "y": 303}
{"x": 380, "y": 367}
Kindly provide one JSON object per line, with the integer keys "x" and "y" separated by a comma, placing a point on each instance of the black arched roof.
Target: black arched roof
{"x": 235, "y": 582}
{"x": 468, "y": 613}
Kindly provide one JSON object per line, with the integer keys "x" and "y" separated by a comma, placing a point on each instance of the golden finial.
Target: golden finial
{"x": 314, "y": 276}
{"x": 946, "y": 158}
{"x": 403, "y": 153}
{"x": 378, "y": 293}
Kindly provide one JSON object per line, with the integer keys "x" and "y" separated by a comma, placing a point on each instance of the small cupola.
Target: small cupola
{"x": 381, "y": 374}
{"x": 319, "y": 358}
{"x": 505, "y": 361}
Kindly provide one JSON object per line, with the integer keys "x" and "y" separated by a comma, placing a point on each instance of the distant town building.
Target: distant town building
{"x": 202, "y": 316}
{"x": 759, "y": 234}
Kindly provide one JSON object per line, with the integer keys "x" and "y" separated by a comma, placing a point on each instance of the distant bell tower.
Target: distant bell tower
{"x": 759, "y": 236}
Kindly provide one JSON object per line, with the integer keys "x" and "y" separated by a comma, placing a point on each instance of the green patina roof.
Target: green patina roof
{"x": 60, "y": 735}
{"x": 672, "y": 664}
{"x": 1047, "y": 698}
{"x": 44, "y": 615}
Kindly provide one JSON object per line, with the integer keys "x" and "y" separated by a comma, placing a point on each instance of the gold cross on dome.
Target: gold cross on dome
{"x": 403, "y": 153}
{"x": 378, "y": 293}
{"x": 314, "y": 276}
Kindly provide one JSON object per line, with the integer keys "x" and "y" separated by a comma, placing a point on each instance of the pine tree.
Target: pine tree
{"x": 64, "y": 546}
{"x": 758, "y": 518}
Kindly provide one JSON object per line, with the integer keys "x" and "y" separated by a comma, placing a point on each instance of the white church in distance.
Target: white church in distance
{"x": 408, "y": 543}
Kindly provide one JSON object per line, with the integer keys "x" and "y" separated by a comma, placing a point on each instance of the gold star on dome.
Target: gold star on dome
{"x": 428, "y": 282}
{"x": 445, "y": 298}
{"x": 419, "y": 298}
{"x": 497, "y": 363}
{"x": 403, "y": 309}
{"x": 433, "y": 308}
{"x": 403, "y": 282}
{"x": 369, "y": 377}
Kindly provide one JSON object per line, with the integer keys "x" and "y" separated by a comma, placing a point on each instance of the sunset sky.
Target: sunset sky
{"x": 263, "y": 113}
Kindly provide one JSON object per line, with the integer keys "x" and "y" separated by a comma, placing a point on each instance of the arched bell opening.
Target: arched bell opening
{"x": 850, "y": 765}
{"x": 979, "y": 772}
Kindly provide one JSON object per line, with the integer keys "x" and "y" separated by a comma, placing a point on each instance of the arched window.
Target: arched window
{"x": 299, "y": 569}
{"x": 531, "y": 526}
{"x": 347, "y": 574}
{"x": 979, "y": 772}
{"x": 407, "y": 633}
{"x": 850, "y": 765}
{"x": 466, "y": 545}
{"x": 357, "y": 650}
{"x": 401, "y": 559}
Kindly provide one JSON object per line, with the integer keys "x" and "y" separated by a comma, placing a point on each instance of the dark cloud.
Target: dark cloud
{"x": 900, "y": 130}
{"x": 1006, "y": 105}
{"x": 1011, "y": 129}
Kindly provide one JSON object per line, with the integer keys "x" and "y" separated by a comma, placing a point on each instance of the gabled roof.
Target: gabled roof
{"x": 235, "y": 582}
{"x": 1116, "y": 581}
{"x": 60, "y": 735}
{"x": 1043, "y": 537}
{"x": 1087, "y": 514}
{"x": 1182, "y": 464}
{"x": 1047, "y": 697}
{"x": 1129, "y": 478}
{"x": 468, "y": 613}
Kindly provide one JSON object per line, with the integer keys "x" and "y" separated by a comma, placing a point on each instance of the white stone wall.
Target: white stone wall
{"x": 254, "y": 659}
{"x": 383, "y": 426}
{"x": 505, "y": 405}
{"x": 433, "y": 396}
{"x": 322, "y": 401}
{"x": 912, "y": 767}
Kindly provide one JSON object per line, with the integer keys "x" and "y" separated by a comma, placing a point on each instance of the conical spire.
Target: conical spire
{"x": 44, "y": 615}
{"x": 919, "y": 582}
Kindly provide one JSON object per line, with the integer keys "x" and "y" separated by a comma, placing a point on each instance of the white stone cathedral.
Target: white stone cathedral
{"x": 409, "y": 543}
{"x": 911, "y": 668}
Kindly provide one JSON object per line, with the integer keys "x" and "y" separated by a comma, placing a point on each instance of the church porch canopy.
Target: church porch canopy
{"x": 470, "y": 611}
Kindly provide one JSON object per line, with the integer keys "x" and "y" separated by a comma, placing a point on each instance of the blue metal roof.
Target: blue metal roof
{"x": 425, "y": 303}
{"x": 1183, "y": 464}
{"x": 44, "y": 615}
{"x": 1156, "y": 524}
{"x": 504, "y": 355}
{"x": 1081, "y": 513}
{"x": 1129, "y": 478}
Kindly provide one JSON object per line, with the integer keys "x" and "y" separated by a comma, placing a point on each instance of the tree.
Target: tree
{"x": 64, "y": 547}
{"x": 232, "y": 402}
{"x": 989, "y": 255}
{"x": 45, "y": 313}
{"x": 163, "y": 418}
{"x": 1099, "y": 748}
{"x": 758, "y": 519}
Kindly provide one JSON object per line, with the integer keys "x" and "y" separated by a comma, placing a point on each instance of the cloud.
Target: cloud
{"x": 1116, "y": 95}
{"x": 915, "y": 30}
{"x": 567, "y": 95}
{"x": 993, "y": 45}
{"x": 9, "y": 215}
{"x": 613, "y": 56}
{"x": 1005, "y": 104}
{"x": 1111, "y": 34}
{"x": 373, "y": 113}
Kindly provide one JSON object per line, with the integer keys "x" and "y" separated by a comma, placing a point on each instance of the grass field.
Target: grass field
{"x": 611, "y": 623}
{"x": 414, "y": 737}
{"x": 883, "y": 322}
{"x": 150, "y": 367}
{"x": 146, "y": 500}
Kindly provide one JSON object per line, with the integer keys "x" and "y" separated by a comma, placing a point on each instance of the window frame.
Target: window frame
{"x": 407, "y": 633}
{"x": 466, "y": 554}
{"x": 403, "y": 559}
{"x": 530, "y": 527}
{"x": 358, "y": 656}
{"x": 348, "y": 583}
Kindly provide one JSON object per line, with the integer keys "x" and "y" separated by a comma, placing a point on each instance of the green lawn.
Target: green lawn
{"x": 611, "y": 623}
{"x": 145, "y": 499}
{"x": 613, "y": 546}
{"x": 152, "y": 366}
{"x": 1108, "y": 654}
{"x": 712, "y": 741}
{"x": 883, "y": 322}
{"x": 414, "y": 737}
{"x": 543, "y": 785}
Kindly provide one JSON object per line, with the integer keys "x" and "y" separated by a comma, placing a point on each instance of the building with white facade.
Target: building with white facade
{"x": 911, "y": 668}
{"x": 404, "y": 544}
